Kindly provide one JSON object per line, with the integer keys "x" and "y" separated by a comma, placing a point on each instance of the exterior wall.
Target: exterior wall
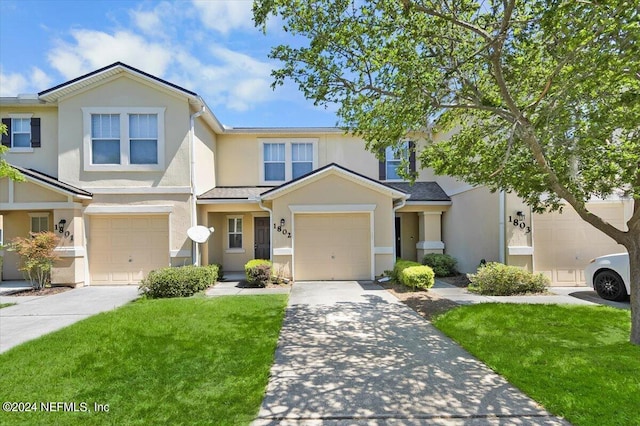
{"x": 518, "y": 232}
{"x": 470, "y": 228}
{"x": 4, "y": 190}
{"x": 16, "y": 224}
{"x": 205, "y": 148}
{"x": 27, "y": 192}
{"x": 124, "y": 92}
{"x": 43, "y": 159}
{"x": 179, "y": 218}
{"x": 335, "y": 190}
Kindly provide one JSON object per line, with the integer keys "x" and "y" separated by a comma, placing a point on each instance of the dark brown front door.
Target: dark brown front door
{"x": 262, "y": 243}
{"x": 398, "y": 239}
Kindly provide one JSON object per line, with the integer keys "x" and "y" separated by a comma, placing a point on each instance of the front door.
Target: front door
{"x": 398, "y": 240}
{"x": 262, "y": 235}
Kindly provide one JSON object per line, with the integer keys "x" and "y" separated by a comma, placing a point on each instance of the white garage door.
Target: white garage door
{"x": 564, "y": 243}
{"x": 332, "y": 247}
{"x": 123, "y": 249}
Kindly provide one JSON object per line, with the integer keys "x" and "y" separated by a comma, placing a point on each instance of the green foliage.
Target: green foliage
{"x": 497, "y": 279}
{"x": 413, "y": 275}
{"x": 258, "y": 272}
{"x": 575, "y": 361}
{"x": 37, "y": 256}
{"x": 195, "y": 361}
{"x": 442, "y": 264}
{"x": 5, "y": 169}
{"x": 183, "y": 281}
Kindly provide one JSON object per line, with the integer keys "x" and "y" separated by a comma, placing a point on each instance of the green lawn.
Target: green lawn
{"x": 6, "y": 305}
{"x": 167, "y": 361}
{"x": 575, "y": 360}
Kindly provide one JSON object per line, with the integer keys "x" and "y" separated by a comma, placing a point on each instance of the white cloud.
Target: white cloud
{"x": 15, "y": 84}
{"x": 226, "y": 15}
{"x": 94, "y": 49}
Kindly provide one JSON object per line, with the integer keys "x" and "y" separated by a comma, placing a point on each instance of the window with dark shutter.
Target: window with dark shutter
{"x": 412, "y": 156}
{"x": 6, "y": 138}
{"x": 35, "y": 133}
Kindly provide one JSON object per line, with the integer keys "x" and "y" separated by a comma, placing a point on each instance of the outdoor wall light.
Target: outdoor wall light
{"x": 61, "y": 225}
{"x": 282, "y": 222}
{"x": 520, "y": 214}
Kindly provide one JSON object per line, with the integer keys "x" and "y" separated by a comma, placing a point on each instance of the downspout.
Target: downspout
{"x": 195, "y": 255}
{"x": 265, "y": 208}
{"x": 501, "y": 224}
{"x": 403, "y": 202}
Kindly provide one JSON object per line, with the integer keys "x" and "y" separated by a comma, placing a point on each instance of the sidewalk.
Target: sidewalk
{"x": 34, "y": 316}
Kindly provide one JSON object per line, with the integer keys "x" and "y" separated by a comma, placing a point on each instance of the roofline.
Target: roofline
{"x": 428, "y": 203}
{"x": 280, "y": 130}
{"x": 116, "y": 65}
{"x": 54, "y": 183}
{"x": 331, "y": 166}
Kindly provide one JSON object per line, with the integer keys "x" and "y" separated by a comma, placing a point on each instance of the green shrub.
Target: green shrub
{"x": 412, "y": 274}
{"x": 497, "y": 279}
{"x": 442, "y": 264}
{"x": 182, "y": 281}
{"x": 421, "y": 277}
{"x": 258, "y": 272}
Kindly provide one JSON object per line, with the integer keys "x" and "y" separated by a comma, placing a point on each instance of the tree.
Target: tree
{"x": 5, "y": 168}
{"x": 37, "y": 253}
{"x": 542, "y": 97}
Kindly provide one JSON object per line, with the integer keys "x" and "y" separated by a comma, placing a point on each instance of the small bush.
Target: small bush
{"x": 37, "y": 255}
{"x": 182, "y": 281}
{"x": 442, "y": 264}
{"x": 421, "y": 277}
{"x": 258, "y": 272}
{"x": 412, "y": 274}
{"x": 497, "y": 279}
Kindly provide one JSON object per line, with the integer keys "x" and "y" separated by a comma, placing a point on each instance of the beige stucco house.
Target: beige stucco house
{"x": 121, "y": 164}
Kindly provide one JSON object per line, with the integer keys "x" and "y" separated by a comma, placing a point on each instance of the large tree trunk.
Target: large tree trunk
{"x": 634, "y": 269}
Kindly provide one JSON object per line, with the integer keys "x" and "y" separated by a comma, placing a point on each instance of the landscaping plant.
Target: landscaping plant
{"x": 182, "y": 281}
{"x": 258, "y": 272}
{"x": 37, "y": 255}
{"x": 443, "y": 265}
{"x": 413, "y": 275}
{"x": 497, "y": 279}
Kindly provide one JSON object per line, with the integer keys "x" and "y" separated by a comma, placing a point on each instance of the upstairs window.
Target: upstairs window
{"x": 287, "y": 159}
{"x": 124, "y": 139}
{"x": 391, "y": 168}
{"x": 23, "y": 132}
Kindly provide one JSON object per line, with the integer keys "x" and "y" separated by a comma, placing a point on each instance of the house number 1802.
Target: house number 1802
{"x": 282, "y": 230}
{"x": 520, "y": 224}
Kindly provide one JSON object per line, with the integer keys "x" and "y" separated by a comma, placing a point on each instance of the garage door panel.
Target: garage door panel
{"x": 332, "y": 246}
{"x": 124, "y": 249}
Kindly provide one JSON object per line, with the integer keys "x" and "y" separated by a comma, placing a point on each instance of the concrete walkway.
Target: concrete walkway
{"x": 351, "y": 353}
{"x": 34, "y": 316}
{"x": 234, "y": 284}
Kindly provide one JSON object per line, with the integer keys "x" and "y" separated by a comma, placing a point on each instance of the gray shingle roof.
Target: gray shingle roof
{"x": 50, "y": 180}
{"x": 233, "y": 192}
{"x": 421, "y": 191}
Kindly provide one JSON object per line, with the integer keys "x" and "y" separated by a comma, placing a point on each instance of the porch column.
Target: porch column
{"x": 429, "y": 233}
{"x": 70, "y": 269}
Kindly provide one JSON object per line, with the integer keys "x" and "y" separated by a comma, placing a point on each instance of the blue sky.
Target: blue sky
{"x": 208, "y": 46}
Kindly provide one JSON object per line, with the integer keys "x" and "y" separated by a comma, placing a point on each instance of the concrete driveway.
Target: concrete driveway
{"x": 351, "y": 353}
{"x": 33, "y": 317}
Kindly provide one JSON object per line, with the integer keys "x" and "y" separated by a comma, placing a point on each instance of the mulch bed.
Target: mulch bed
{"x": 460, "y": 280}
{"x": 47, "y": 291}
{"x": 426, "y": 304}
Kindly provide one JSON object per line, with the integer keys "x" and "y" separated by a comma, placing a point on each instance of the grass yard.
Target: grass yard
{"x": 6, "y": 305}
{"x": 575, "y": 360}
{"x": 164, "y": 361}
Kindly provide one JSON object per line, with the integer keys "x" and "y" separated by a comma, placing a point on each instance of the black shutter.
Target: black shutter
{"x": 382, "y": 170}
{"x": 412, "y": 156}
{"x": 6, "y": 139}
{"x": 35, "y": 133}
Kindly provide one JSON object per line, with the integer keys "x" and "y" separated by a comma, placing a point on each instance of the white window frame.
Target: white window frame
{"x": 394, "y": 159}
{"x": 39, "y": 215}
{"x": 228, "y": 232}
{"x": 288, "y": 163}
{"x": 125, "y": 164}
{"x": 13, "y": 149}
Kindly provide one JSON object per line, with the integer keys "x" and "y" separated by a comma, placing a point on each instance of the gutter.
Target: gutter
{"x": 195, "y": 252}
{"x": 501, "y": 225}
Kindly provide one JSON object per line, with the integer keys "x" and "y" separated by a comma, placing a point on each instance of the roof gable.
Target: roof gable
{"x": 331, "y": 169}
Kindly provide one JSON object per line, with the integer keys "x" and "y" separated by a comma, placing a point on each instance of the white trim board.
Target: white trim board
{"x": 128, "y": 209}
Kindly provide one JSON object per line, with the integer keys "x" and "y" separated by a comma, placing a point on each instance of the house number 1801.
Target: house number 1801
{"x": 520, "y": 224}
{"x": 282, "y": 230}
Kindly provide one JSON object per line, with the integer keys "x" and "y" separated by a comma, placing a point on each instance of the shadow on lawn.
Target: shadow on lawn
{"x": 375, "y": 360}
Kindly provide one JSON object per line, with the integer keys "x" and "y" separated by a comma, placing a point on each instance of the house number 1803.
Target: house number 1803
{"x": 520, "y": 224}
{"x": 282, "y": 230}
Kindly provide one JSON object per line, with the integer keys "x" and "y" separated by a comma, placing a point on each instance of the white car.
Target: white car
{"x": 609, "y": 276}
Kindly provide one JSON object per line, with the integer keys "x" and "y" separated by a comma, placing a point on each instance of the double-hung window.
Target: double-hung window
{"x": 287, "y": 159}
{"x": 398, "y": 161}
{"x": 39, "y": 222}
{"x": 23, "y": 132}
{"x": 122, "y": 139}
{"x": 234, "y": 233}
